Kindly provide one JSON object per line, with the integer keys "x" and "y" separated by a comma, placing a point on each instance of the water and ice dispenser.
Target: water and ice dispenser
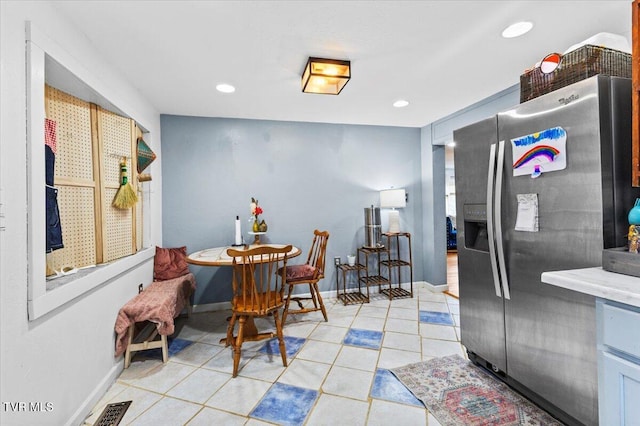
{"x": 475, "y": 227}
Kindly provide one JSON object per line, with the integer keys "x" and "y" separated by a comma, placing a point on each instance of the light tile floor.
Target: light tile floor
{"x": 338, "y": 371}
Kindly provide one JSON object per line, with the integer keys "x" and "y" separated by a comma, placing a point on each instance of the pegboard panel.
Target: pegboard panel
{"x": 118, "y": 229}
{"x": 90, "y": 142}
{"x": 77, "y": 220}
{"x": 115, "y": 137}
{"x": 74, "y": 153}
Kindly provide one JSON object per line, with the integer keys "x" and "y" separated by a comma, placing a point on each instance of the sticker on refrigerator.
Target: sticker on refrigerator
{"x": 540, "y": 152}
{"x": 527, "y": 216}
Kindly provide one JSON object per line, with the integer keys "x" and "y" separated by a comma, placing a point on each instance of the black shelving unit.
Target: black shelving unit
{"x": 351, "y": 297}
{"x": 395, "y": 264}
{"x": 365, "y": 275}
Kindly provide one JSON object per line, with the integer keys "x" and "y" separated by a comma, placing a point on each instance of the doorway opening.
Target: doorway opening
{"x": 450, "y": 203}
{"x": 452, "y": 275}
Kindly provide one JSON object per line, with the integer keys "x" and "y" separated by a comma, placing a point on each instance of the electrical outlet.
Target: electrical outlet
{"x": 336, "y": 260}
{"x": 140, "y": 288}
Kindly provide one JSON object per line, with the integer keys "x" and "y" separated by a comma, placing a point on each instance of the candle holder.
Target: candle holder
{"x": 256, "y": 235}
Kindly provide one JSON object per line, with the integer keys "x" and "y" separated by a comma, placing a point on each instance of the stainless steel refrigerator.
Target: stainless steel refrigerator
{"x": 544, "y": 186}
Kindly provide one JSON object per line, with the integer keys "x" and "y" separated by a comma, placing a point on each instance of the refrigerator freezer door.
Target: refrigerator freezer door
{"x": 481, "y": 311}
{"x": 550, "y": 334}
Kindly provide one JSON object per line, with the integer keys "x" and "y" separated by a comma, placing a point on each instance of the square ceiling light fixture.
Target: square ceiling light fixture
{"x": 325, "y": 76}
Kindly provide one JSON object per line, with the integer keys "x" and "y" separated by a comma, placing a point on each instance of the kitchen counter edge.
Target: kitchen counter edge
{"x": 597, "y": 282}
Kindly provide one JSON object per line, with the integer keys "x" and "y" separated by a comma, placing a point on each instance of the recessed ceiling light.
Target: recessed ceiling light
{"x": 451, "y": 144}
{"x": 400, "y": 103}
{"x": 225, "y": 88}
{"x": 517, "y": 29}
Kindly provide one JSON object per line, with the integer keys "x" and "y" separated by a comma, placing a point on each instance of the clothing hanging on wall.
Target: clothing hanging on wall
{"x": 53, "y": 226}
{"x": 50, "y": 136}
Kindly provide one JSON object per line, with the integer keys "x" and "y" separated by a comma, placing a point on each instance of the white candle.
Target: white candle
{"x": 238, "y": 232}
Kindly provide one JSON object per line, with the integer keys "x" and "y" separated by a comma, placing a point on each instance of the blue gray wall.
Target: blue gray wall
{"x": 305, "y": 176}
{"x": 434, "y": 251}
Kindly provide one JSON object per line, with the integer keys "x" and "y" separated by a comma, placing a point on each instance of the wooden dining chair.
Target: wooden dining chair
{"x": 309, "y": 273}
{"x": 258, "y": 291}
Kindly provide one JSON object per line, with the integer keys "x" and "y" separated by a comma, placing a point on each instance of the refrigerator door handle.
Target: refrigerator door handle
{"x": 490, "y": 234}
{"x": 498, "y": 221}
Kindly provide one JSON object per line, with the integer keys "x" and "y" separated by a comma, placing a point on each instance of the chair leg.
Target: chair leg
{"x": 232, "y": 323}
{"x": 320, "y": 302}
{"x": 285, "y": 311}
{"x": 237, "y": 347}
{"x": 314, "y": 298}
{"x": 283, "y": 349}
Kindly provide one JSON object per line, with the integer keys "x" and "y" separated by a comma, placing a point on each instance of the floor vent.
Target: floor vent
{"x": 112, "y": 414}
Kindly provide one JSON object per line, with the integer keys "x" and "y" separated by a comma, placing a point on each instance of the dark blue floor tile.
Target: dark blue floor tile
{"x": 442, "y": 318}
{"x": 285, "y": 404}
{"x": 363, "y": 338}
{"x": 293, "y": 345}
{"x": 386, "y": 386}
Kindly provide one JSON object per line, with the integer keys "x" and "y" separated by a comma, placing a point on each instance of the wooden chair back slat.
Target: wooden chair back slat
{"x": 257, "y": 288}
{"x": 317, "y": 252}
{"x": 316, "y": 259}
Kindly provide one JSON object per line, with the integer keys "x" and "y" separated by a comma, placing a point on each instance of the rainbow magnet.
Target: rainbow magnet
{"x": 539, "y": 152}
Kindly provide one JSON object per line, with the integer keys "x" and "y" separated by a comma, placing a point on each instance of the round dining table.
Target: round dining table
{"x": 218, "y": 256}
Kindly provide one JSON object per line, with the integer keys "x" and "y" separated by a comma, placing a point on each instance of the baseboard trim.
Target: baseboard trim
{"x": 330, "y": 294}
{"x": 440, "y": 288}
{"x": 211, "y": 307}
{"x": 90, "y": 402}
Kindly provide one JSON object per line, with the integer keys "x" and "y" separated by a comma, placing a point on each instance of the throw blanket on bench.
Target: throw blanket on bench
{"x": 160, "y": 303}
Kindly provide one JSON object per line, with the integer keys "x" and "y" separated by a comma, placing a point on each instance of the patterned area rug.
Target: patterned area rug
{"x": 457, "y": 392}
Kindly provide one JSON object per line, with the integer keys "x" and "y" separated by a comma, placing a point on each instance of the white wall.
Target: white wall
{"x": 64, "y": 358}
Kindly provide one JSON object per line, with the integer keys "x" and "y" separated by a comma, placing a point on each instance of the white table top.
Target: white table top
{"x": 218, "y": 256}
{"x": 597, "y": 282}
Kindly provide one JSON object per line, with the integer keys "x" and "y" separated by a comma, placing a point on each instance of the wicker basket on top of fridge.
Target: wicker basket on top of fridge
{"x": 579, "y": 64}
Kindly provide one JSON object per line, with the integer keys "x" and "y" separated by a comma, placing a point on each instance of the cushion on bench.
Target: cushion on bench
{"x": 160, "y": 303}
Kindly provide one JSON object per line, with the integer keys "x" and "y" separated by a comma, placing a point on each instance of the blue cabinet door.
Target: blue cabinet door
{"x": 619, "y": 391}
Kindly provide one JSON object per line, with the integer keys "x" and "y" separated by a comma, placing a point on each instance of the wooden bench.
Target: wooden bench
{"x": 158, "y": 304}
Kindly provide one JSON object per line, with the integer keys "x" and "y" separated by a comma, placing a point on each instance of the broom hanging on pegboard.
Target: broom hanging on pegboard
{"x": 125, "y": 197}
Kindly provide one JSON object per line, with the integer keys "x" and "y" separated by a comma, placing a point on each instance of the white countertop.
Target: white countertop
{"x": 597, "y": 282}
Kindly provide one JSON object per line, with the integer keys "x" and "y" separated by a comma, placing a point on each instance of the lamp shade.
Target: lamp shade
{"x": 325, "y": 76}
{"x": 393, "y": 198}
